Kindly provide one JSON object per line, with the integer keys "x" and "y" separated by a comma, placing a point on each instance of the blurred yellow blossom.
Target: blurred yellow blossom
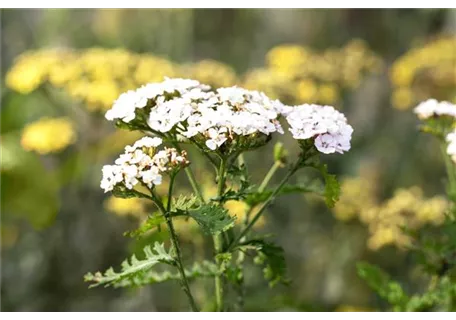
{"x": 407, "y": 208}
{"x": 424, "y": 72}
{"x": 135, "y": 207}
{"x": 306, "y": 91}
{"x": 402, "y": 98}
{"x": 357, "y": 194}
{"x": 48, "y": 135}
{"x": 211, "y": 72}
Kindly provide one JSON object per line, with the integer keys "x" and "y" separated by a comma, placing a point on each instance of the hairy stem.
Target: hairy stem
{"x": 218, "y": 239}
{"x": 175, "y": 242}
{"x": 263, "y": 207}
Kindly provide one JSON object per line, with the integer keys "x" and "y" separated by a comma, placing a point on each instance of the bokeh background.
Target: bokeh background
{"x": 62, "y": 69}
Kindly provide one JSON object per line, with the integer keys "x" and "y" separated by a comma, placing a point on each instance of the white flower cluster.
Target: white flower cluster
{"x": 324, "y": 123}
{"x": 217, "y": 116}
{"x": 214, "y": 118}
{"x": 141, "y": 163}
{"x": 125, "y": 106}
{"x": 432, "y": 107}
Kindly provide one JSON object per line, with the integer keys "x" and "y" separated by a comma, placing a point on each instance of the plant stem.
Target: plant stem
{"x": 191, "y": 177}
{"x": 269, "y": 176}
{"x": 218, "y": 239}
{"x": 175, "y": 242}
{"x": 264, "y": 206}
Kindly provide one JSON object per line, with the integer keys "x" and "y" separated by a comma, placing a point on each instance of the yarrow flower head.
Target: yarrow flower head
{"x": 327, "y": 126}
{"x": 142, "y": 163}
{"x": 128, "y": 104}
{"x": 226, "y": 117}
{"x": 432, "y": 107}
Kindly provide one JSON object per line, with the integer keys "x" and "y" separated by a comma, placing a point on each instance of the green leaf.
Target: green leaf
{"x": 185, "y": 203}
{"x": 203, "y": 269}
{"x": 212, "y": 219}
{"x": 133, "y": 268}
{"x": 271, "y": 257}
{"x": 332, "y": 186}
{"x": 154, "y": 221}
{"x": 381, "y": 283}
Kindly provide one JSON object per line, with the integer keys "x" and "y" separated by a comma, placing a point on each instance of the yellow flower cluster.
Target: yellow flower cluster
{"x": 357, "y": 194}
{"x": 96, "y": 76}
{"x": 425, "y": 72}
{"x": 48, "y": 135}
{"x": 407, "y": 208}
{"x": 211, "y": 72}
{"x": 301, "y": 75}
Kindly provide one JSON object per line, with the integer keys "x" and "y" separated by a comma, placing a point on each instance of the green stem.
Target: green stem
{"x": 264, "y": 206}
{"x": 269, "y": 176}
{"x": 175, "y": 242}
{"x": 218, "y": 239}
{"x": 191, "y": 176}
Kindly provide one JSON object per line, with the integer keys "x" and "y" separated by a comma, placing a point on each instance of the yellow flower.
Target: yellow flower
{"x": 135, "y": 207}
{"x": 328, "y": 94}
{"x": 307, "y": 90}
{"x": 287, "y": 58}
{"x": 48, "y": 135}
{"x": 100, "y": 95}
{"x": 402, "y": 98}
{"x": 153, "y": 69}
{"x": 213, "y": 73}
{"x": 401, "y": 74}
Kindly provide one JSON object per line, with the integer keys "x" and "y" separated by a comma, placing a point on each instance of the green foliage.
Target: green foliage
{"x": 133, "y": 268}
{"x": 204, "y": 269}
{"x": 332, "y": 186}
{"x": 152, "y": 222}
{"x": 381, "y": 283}
{"x": 212, "y": 219}
{"x": 271, "y": 257}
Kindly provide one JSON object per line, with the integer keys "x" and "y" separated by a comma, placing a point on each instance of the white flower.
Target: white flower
{"x": 324, "y": 123}
{"x": 124, "y": 108}
{"x": 151, "y": 177}
{"x": 137, "y": 165}
{"x": 451, "y": 149}
{"x": 432, "y": 107}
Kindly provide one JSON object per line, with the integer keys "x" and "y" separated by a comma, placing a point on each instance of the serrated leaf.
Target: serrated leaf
{"x": 212, "y": 219}
{"x": 332, "y": 186}
{"x": 152, "y": 222}
{"x": 133, "y": 268}
{"x": 272, "y": 258}
{"x": 198, "y": 270}
{"x": 185, "y": 203}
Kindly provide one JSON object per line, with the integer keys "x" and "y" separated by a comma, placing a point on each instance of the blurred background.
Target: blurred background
{"x": 62, "y": 69}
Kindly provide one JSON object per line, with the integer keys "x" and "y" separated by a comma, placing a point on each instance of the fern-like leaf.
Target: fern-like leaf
{"x": 198, "y": 270}
{"x": 133, "y": 268}
{"x": 212, "y": 219}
